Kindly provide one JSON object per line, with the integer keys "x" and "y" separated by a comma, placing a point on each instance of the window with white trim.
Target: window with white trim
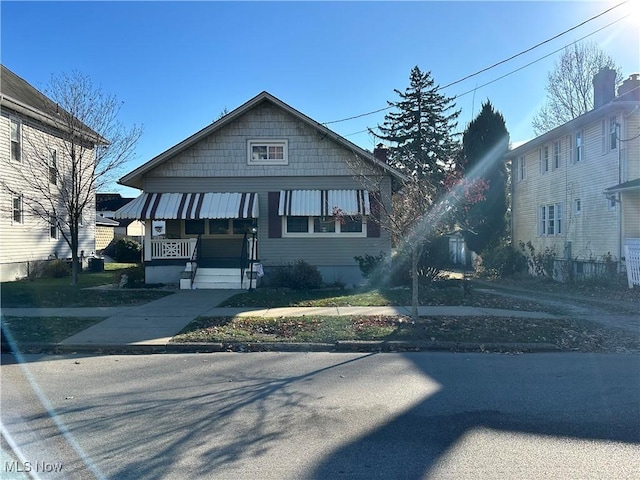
{"x": 550, "y": 220}
{"x": 343, "y": 226}
{"x": 53, "y": 227}
{"x": 578, "y": 151}
{"x": 267, "y": 152}
{"x": 613, "y": 133}
{"x": 16, "y": 140}
{"x": 521, "y": 172}
{"x": 544, "y": 159}
{"x": 18, "y": 209}
{"x": 556, "y": 155}
{"x": 53, "y": 167}
{"x": 577, "y": 206}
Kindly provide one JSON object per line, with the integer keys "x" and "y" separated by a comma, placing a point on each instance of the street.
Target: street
{"x": 323, "y": 416}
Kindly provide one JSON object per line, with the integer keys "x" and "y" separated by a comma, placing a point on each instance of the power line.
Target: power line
{"x": 501, "y": 62}
{"x": 534, "y": 47}
{"x": 522, "y": 67}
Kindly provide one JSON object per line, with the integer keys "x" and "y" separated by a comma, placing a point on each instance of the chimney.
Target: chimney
{"x": 604, "y": 87}
{"x": 629, "y": 91}
{"x": 381, "y": 153}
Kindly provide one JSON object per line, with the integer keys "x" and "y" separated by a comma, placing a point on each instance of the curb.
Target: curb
{"x": 341, "y": 346}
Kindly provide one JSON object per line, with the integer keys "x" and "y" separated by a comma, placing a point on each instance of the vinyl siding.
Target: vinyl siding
{"x": 595, "y": 231}
{"x": 218, "y": 163}
{"x": 30, "y": 240}
{"x": 281, "y": 251}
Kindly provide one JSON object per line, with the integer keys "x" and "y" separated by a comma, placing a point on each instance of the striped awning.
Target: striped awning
{"x": 190, "y": 206}
{"x": 319, "y": 203}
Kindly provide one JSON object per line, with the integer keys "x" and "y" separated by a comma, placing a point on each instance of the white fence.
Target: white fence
{"x": 178, "y": 248}
{"x": 632, "y": 261}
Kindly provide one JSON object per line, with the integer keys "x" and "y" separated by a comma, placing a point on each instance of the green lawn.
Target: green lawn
{"x": 450, "y": 293}
{"x": 58, "y": 292}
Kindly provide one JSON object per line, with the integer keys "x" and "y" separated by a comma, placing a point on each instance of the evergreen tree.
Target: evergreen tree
{"x": 419, "y": 132}
{"x": 422, "y": 147}
{"x": 484, "y": 143}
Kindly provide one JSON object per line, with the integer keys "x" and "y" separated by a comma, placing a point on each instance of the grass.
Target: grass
{"x": 58, "y": 292}
{"x": 45, "y": 330}
{"x": 446, "y": 293}
{"x": 565, "y": 334}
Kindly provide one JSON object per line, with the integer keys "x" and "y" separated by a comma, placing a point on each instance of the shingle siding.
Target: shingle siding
{"x": 224, "y": 153}
{"x": 219, "y": 163}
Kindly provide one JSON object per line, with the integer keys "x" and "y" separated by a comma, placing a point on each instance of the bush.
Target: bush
{"x": 299, "y": 276}
{"x": 503, "y": 261}
{"x": 371, "y": 265}
{"x": 134, "y": 277}
{"x": 434, "y": 258}
{"x": 127, "y": 251}
{"x": 542, "y": 263}
{"x": 57, "y": 269}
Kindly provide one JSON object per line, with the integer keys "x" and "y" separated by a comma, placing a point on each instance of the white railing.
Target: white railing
{"x": 175, "y": 248}
{"x": 632, "y": 261}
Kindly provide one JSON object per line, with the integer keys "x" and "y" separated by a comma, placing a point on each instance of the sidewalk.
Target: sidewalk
{"x": 152, "y": 325}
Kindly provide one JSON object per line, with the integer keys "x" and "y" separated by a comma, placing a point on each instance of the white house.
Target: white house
{"x": 263, "y": 183}
{"x": 27, "y": 135}
{"x": 576, "y": 189}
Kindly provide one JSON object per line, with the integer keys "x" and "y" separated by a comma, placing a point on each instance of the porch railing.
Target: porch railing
{"x": 173, "y": 248}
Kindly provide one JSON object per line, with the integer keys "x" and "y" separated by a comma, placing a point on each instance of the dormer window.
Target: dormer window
{"x": 267, "y": 152}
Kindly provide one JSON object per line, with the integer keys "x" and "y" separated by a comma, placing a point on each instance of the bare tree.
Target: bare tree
{"x": 569, "y": 85}
{"x": 411, "y": 215}
{"x": 76, "y": 148}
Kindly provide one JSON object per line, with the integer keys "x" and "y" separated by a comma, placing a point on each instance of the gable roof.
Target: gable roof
{"x": 134, "y": 178}
{"x": 19, "y": 95}
{"x": 570, "y": 127}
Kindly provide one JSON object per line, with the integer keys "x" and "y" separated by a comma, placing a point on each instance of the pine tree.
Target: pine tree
{"x": 484, "y": 143}
{"x": 420, "y": 133}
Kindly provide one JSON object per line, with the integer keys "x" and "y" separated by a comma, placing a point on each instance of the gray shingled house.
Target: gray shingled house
{"x": 260, "y": 188}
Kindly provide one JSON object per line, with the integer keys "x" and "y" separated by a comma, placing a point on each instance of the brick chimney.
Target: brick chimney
{"x": 604, "y": 87}
{"x": 629, "y": 91}
{"x": 381, "y": 153}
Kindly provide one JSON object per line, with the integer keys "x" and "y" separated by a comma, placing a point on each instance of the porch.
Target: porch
{"x": 201, "y": 240}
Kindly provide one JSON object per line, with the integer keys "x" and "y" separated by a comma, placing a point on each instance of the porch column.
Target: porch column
{"x": 147, "y": 240}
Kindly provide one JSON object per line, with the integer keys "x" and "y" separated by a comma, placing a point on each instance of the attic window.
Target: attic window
{"x": 267, "y": 152}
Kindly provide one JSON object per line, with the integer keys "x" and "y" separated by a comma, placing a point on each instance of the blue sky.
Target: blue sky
{"x": 178, "y": 65}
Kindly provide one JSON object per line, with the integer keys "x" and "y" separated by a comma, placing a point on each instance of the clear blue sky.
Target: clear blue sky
{"x": 177, "y": 65}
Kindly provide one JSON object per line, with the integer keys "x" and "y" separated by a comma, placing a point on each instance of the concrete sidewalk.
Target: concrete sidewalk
{"x": 155, "y": 323}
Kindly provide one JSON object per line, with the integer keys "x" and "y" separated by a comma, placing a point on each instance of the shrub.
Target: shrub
{"x": 503, "y": 261}
{"x": 433, "y": 259}
{"x": 542, "y": 263}
{"x": 299, "y": 276}
{"x": 127, "y": 251}
{"x": 134, "y": 277}
{"x": 371, "y": 266}
{"x": 57, "y": 269}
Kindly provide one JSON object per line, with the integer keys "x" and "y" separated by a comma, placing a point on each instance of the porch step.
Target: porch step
{"x": 220, "y": 279}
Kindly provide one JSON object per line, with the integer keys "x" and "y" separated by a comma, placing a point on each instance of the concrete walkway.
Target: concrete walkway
{"x": 155, "y": 323}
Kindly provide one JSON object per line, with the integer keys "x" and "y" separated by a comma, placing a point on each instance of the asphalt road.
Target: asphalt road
{"x": 324, "y": 416}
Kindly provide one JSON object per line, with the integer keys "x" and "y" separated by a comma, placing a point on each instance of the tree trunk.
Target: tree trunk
{"x": 414, "y": 283}
{"x": 74, "y": 256}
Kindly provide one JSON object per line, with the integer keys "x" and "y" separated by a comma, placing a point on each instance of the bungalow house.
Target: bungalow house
{"x": 32, "y": 162}
{"x": 576, "y": 189}
{"x": 258, "y": 189}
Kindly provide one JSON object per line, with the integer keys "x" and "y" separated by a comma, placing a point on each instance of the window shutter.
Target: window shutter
{"x": 275, "y": 221}
{"x": 373, "y": 224}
